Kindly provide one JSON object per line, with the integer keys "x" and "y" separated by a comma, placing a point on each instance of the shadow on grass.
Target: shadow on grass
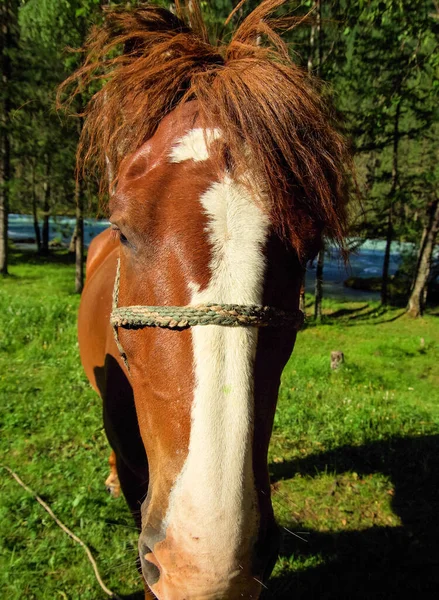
{"x": 379, "y": 562}
{"x": 31, "y": 257}
{"x": 349, "y": 317}
{"x": 375, "y": 316}
{"x": 349, "y": 313}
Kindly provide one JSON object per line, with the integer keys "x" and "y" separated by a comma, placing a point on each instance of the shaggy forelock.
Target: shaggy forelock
{"x": 151, "y": 61}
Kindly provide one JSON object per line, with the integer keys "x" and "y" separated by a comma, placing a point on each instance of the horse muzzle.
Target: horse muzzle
{"x": 177, "y": 574}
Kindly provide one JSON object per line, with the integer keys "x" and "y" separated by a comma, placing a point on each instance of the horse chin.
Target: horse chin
{"x": 236, "y": 588}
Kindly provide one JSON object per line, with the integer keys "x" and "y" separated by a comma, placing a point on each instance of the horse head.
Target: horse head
{"x": 205, "y": 396}
{"x": 228, "y": 170}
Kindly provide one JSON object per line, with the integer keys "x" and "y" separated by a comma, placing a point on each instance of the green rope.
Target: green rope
{"x": 182, "y": 317}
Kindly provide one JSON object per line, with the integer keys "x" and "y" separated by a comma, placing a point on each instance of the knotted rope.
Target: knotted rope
{"x": 182, "y": 317}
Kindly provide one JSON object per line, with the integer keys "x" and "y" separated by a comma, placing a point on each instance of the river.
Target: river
{"x": 367, "y": 261}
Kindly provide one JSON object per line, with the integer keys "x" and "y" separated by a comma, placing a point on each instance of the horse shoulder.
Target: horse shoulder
{"x": 94, "y": 331}
{"x": 101, "y": 246}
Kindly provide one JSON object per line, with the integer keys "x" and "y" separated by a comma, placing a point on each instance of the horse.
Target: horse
{"x": 227, "y": 171}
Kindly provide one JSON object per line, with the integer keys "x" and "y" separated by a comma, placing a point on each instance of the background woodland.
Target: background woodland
{"x": 378, "y": 59}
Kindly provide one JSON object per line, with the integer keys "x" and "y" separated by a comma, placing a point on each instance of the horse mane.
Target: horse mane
{"x": 149, "y": 61}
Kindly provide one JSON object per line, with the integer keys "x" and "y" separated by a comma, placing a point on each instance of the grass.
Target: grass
{"x": 354, "y": 457}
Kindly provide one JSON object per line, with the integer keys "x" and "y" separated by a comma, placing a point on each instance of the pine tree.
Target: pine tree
{"x": 8, "y": 31}
{"x": 391, "y": 99}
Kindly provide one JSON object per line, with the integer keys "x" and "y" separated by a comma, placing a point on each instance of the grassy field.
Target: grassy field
{"x": 354, "y": 457}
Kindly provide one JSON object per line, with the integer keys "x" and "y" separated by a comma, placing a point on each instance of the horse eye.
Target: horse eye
{"x": 117, "y": 233}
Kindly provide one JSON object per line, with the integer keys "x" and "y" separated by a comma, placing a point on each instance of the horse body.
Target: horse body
{"x": 204, "y": 397}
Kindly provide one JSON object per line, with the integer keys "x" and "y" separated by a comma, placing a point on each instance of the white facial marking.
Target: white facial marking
{"x": 194, "y": 145}
{"x": 212, "y": 507}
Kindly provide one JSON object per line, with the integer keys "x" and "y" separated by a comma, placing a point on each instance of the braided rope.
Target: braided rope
{"x": 114, "y": 307}
{"x": 182, "y": 317}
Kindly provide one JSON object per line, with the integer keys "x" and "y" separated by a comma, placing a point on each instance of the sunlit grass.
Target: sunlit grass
{"x": 354, "y": 456}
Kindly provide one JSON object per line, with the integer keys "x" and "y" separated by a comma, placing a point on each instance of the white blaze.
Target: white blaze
{"x": 212, "y": 507}
{"x": 194, "y": 145}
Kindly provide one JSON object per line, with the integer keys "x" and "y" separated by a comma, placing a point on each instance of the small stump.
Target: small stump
{"x": 337, "y": 359}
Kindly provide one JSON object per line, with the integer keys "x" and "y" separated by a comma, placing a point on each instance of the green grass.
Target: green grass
{"x": 354, "y": 458}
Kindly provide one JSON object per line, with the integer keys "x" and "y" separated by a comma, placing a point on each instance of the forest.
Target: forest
{"x": 377, "y": 61}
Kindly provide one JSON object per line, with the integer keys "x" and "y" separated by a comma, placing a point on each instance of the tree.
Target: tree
{"x": 425, "y": 184}
{"x": 418, "y": 293}
{"x": 50, "y": 27}
{"x": 315, "y": 64}
{"x": 391, "y": 80}
{"x": 8, "y": 19}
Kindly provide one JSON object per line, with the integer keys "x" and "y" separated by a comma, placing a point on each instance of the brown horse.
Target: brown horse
{"x": 228, "y": 170}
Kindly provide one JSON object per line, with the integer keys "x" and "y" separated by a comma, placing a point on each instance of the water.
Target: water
{"x": 21, "y": 229}
{"x": 367, "y": 261}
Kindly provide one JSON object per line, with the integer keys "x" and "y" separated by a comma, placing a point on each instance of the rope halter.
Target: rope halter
{"x": 183, "y": 317}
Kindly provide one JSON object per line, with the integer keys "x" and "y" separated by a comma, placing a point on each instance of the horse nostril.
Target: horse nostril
{"x": 145, "y": 549}
{"x": 150, "y": 570}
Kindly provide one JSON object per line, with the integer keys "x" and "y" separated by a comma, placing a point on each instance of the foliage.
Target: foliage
{"x": 391, "y": 73}
{"x": 353, "y": 457}
{"x": 45, "y": 145}
{"x": 378, "y": 56}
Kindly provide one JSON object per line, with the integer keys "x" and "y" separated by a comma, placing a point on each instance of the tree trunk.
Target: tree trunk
{"x": 46, "y": 209}
{"x": 72, "y": 244}
{"x": 319, "y": 285}
{"x": 312, "y": 43}
{"x": 392, "y": 194}
{"x": 79, "y": 201}
{"x": 417, "y": 298}
{"x": 34, "y": 213}
{"x": 315, "y": 64}
{"x": 5, "y": 177}
{"x": 6, "y": 13}
{"x": 302, "y": 293}
{"x": 79, "y": 241}
{"x": 315, "y": 40}
{"x": 386, "y": 263}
